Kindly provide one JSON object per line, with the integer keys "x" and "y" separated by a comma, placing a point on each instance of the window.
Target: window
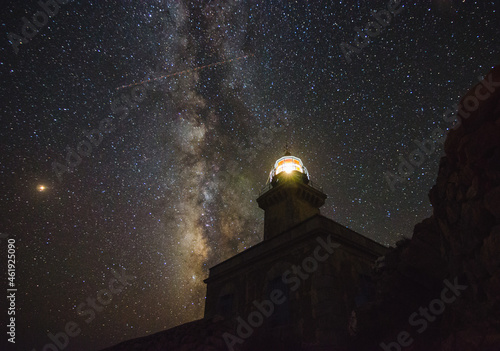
{"x": 366, "y": 291}
{"x": 281, "y": 315}
{"x": 226, "y": 305}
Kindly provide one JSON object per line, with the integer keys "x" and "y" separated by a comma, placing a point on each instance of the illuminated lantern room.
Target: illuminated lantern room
{"x": 286, "y": 166}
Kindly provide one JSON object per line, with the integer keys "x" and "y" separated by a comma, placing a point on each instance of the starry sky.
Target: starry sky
{"x": 136, "y": 136}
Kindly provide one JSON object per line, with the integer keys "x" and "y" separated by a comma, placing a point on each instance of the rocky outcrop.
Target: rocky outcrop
{"x": 200, "y": 335}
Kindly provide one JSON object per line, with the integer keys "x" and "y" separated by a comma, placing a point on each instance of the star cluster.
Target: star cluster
{"x": 185, "y": 107}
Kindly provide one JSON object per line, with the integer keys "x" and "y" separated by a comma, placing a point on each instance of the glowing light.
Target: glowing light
{"x": 41, "y": 188}
{"x": 288, "y": 168}
{"x": 288, "y": 164}
{"x": 184, "y": 72}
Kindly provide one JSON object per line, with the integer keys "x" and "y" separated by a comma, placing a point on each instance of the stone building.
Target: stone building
{"x": 298, "y": 287}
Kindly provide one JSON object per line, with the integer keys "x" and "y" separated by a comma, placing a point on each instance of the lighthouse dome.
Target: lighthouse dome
{"x": 287, "y": 164}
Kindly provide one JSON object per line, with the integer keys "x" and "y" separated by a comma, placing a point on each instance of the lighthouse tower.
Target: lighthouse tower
{"x": 319, "y": 268}
{"x": 289, "y": 197}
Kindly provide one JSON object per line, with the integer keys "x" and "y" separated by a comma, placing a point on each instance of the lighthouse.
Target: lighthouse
{"x": 309, "y": 272}
{"x": 289, "y": 197}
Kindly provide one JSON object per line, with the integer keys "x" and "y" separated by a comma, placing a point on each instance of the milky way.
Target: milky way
{"x": 137, "y": 136}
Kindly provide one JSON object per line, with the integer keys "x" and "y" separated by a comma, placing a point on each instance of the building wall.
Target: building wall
{"x": 317, "y": 305}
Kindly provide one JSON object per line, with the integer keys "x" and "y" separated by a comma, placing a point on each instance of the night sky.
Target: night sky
{"x": 173, "y": 154}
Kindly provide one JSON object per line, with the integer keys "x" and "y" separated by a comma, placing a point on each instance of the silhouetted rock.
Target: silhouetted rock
{"x": 200, "y": 335}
